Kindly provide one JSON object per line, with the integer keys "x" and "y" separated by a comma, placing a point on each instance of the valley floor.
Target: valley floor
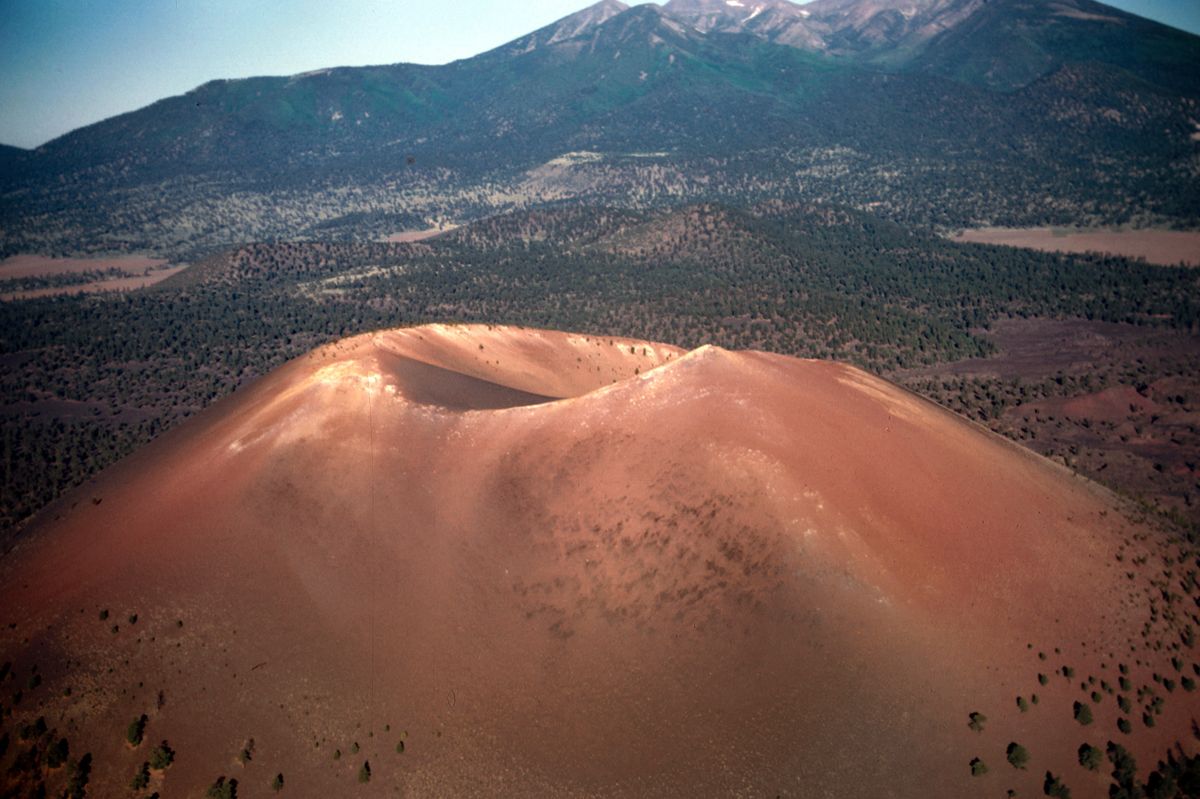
{"x": 1164, "y": 247}
{"x": 24, "y": 277}
{"x": 1118, "y": 403}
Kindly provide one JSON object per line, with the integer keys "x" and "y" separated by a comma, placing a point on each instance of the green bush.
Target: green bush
{"x": 977, "y": 720}
{"x": 277, "y": 783}
{"x": 142, "y": 778}
{"x": 1090, "y": 757}
{"x": 162, "y": 756}
{"x": 1124, "y": 771}
{"x": 136, "y": 730}
{"x": 364, "y": 773}
{"x": 1022, "y": 704}
{"x": 34, "y": 730}
{"x": 1124, "y": 726}
{"x": 978, "y": 768}
{"x": 1053, "y": 786}
{"x": 1083, "y": 713}
{"x": 223, "y": 789}
{"x": 1018, "y": 755}
{"x": 57, "y": 754}
{"x": 79, "y": 772}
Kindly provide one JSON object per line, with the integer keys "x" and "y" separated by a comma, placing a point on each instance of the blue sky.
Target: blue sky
{"x": 67, "y": 63}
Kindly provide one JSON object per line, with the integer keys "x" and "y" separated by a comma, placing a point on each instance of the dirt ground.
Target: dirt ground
{"x": 1165, "y": 247}
{"x": 136, "y": 272}
{"x": 113, "y": 284}
{"x": 39, "y": 265}
{"x": 417, "y": 235}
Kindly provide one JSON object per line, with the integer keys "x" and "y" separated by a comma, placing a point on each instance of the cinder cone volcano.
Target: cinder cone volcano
{"x": 554, "y": 564}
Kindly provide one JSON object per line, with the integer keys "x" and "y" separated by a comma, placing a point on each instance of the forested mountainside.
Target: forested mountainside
{"x": 1092, "y": 119}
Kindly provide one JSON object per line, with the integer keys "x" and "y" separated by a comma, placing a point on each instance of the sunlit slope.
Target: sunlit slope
{"x": 570, "y": 565}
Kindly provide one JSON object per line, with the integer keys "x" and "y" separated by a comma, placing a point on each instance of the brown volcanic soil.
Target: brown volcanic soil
{"x": 566, "y": 565}
{"x": 96, "y": 287}
{"x": 139, "y": 271}
{"x": 40, "y": 265}
{"x": 418, "y": 235}
{"x": 1165, "y": 247}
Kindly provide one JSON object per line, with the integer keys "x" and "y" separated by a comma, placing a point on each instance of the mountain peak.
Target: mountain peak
{"x": 569, "y": 27}
{"x": 641, "y": 23}
{"x": 838, "y": 26}
{"x": 778, "y": 21}
{"x": 728, "y": 6}
{"x": 724, "y": 14}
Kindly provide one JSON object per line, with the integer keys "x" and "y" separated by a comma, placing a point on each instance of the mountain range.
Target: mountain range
{"x": 935, "y": 112}
{"x": 995, "y": 43}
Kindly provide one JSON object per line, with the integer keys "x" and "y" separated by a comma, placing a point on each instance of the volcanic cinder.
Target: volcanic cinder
{"x": 555, "y": 564}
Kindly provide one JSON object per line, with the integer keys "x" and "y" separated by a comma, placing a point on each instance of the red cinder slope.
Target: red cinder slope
{"x": 553, "y": 564}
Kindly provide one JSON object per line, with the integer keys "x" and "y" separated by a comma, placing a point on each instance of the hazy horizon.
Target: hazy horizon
{"x": 66, "y": 65}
